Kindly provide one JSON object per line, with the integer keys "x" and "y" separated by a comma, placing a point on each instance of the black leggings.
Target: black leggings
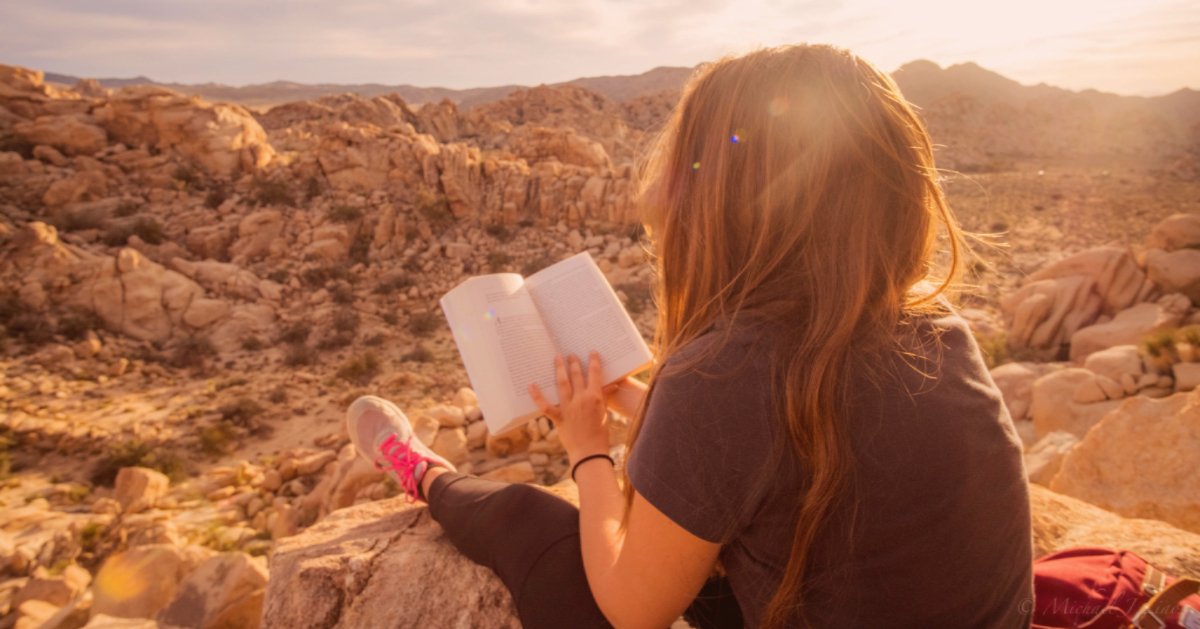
{"x": 530, "y": 539}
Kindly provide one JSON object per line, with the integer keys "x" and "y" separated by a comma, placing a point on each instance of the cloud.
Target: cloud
{"x": 468, "y": 43}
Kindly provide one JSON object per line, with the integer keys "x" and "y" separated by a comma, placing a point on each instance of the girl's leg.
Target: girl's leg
{"x": 528, "y": 537}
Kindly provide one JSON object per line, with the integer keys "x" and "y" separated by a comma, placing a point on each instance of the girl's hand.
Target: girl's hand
{"x": 581, "y": 412}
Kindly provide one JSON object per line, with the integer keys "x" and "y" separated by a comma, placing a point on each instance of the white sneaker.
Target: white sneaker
{"x": 382, "y": 434}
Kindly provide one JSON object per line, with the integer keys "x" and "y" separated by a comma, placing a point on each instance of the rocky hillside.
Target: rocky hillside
{"x": 191, "y": 293}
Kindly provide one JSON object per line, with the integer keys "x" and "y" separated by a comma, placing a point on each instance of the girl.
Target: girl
{"x": 820, "y": 443}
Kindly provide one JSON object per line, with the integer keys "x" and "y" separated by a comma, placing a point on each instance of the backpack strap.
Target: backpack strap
{"x": 1150, "y": 615}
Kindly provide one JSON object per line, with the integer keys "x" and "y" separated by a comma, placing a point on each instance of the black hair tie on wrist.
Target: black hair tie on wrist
{"x": 589, "y": 458}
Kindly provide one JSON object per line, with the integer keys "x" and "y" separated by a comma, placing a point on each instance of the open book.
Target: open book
{"x": 508, "y": 330}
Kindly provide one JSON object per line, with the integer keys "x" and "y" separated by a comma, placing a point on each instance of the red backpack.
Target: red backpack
{"x": 1099, "y": 588}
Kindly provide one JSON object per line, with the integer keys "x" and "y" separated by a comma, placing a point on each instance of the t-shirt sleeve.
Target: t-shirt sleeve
{"x": 702, "y": 447}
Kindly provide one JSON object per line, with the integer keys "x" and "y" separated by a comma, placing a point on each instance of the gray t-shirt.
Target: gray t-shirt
{"x": 941, "y": 524}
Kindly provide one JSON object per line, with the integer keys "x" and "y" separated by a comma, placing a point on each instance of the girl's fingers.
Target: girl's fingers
{"x": 535, "y": 392}
{"x": 577, "y": 381}
{"x": 595, "y": 373}
{"x": 562, "y": 380}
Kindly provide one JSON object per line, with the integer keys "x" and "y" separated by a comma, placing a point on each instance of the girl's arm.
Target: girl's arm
{"x": 647, "y": 576}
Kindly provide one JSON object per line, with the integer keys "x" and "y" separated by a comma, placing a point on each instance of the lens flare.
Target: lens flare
{"x": 695, "y": 165}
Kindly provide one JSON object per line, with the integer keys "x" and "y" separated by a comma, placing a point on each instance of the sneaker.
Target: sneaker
{"x": 381, "y": 433}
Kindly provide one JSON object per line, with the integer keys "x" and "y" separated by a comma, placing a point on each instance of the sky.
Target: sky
{"x": 1145, "y": 47}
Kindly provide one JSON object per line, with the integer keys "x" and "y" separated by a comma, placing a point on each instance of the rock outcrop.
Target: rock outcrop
{"x": 1141, "y": 461}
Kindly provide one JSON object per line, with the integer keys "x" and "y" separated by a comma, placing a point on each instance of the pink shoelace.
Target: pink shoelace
{"x": 400, "y": 458}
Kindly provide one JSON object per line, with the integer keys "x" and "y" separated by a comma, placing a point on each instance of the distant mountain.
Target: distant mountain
{"x": 262, "y": 95}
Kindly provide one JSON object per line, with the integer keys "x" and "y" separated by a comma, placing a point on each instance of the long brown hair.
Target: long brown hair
{"x": 797, "y": 183}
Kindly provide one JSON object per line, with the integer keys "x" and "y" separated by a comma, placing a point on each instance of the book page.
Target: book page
{"x": 582, "y": 313}
{"x": 504, "y": 346}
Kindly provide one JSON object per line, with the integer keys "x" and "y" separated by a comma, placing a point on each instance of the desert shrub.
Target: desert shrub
{"x": 241, "y": 412}
{"x": 252, "y": 344}
{"x": 215, "y": 439}
{"x": 435, "y": 208}
{"x": 138, "y": 453}
{"x": 994, "y": 348}
{"x": 361, "y": 369}
{"x": 422, "y": 323}
{"x": 216, "y": 196}
{"x": 536, "y": 264}
{"x": 637, "y": 296}
{"x": 321, "y": 275}
{"x": 393, "y": 283}
{"x": 279, "y": 276}
{"x": 360, "y": 248}
{"x": 1160, "y": 345}
{"x": 342, "y": 293}
{"x": 186, "y": 175}
{"x": 149, "y": 230}
{"x": 81, "y": 219}
{"x": 296, "y": 332}
{"x": 127, "y": 208}
{"x": 17, "y": 144}
{"x": 1189, "y": 334}
{"x": 412, "y": 264}
{"x": 498, "y": 231}
{"x": 497, "y": 259}
{"x": 337, "y": 340}
{"x": 192, "y": 351}
{"x": 144, "y": 227}
{"x": 390, "y": 318}
{"x": 31, "y": 327}
{"x": 419, "y": 354}
{"x": 346, "y": 321}
{"x": 345, "y": 213}
{"x": 266, "y": 192}
{"x": 312, "y": 188}
{"x": 278, "y": 395}
{"x": 298, "y": 354}
{"x": 76, "y": 322}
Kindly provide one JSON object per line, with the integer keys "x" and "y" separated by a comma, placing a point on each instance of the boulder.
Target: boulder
{"x": 1044, "y": 458}
{"x": 141, "y": 581}
{"x": 139, "y": 488}
{"x": 1056, "y": 406}
{"x": 1177, "y": 231}
{"x": 383, "y": 564}
{"x": 256, "y": 233}
{"x": 222, "y": 139}
{"x": 1176, "y": 271}
{"x": 75, "y": 134}
{"x": 1130, "y": 326}
{"x": 1141, "y": 461}
{"x": 58, "y": 590}
{"x": 387, "y": 563}
{"x": 1117, "y": 362}
{"x": 1187, "y": 376}
{"x": 1016, "y": 384}
{"x": 225, "y": 591}
{"x": 1072, "y": 293}
{"x": 1061, "y": 522}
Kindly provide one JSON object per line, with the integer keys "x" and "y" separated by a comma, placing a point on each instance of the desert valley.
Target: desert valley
{"x": 194, "y": 288}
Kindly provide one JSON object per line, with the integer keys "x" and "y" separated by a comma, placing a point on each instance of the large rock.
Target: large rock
{"x": 1177, "y": 231}
{"x": 225, "y": 591}
{"x": 1061, "y": 522}
{"x": 382, "y": 564}
{"x": 1044, "y": 458}
{"x": 222, "y": 139}
{"x": 1066, "y": 400}
{"x": 139, "y": 488}
{"x": 142, "y": 580}
{"x": 1176, "y": 271}
{"x": 1072, "y": 293}
{"x": 71, "y": 134}
{"x": 1141, "y": 460}
{"x": 1016, "y": 384}
{"x": 1130, "y": 326}
{"x": 388, "y": 564}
